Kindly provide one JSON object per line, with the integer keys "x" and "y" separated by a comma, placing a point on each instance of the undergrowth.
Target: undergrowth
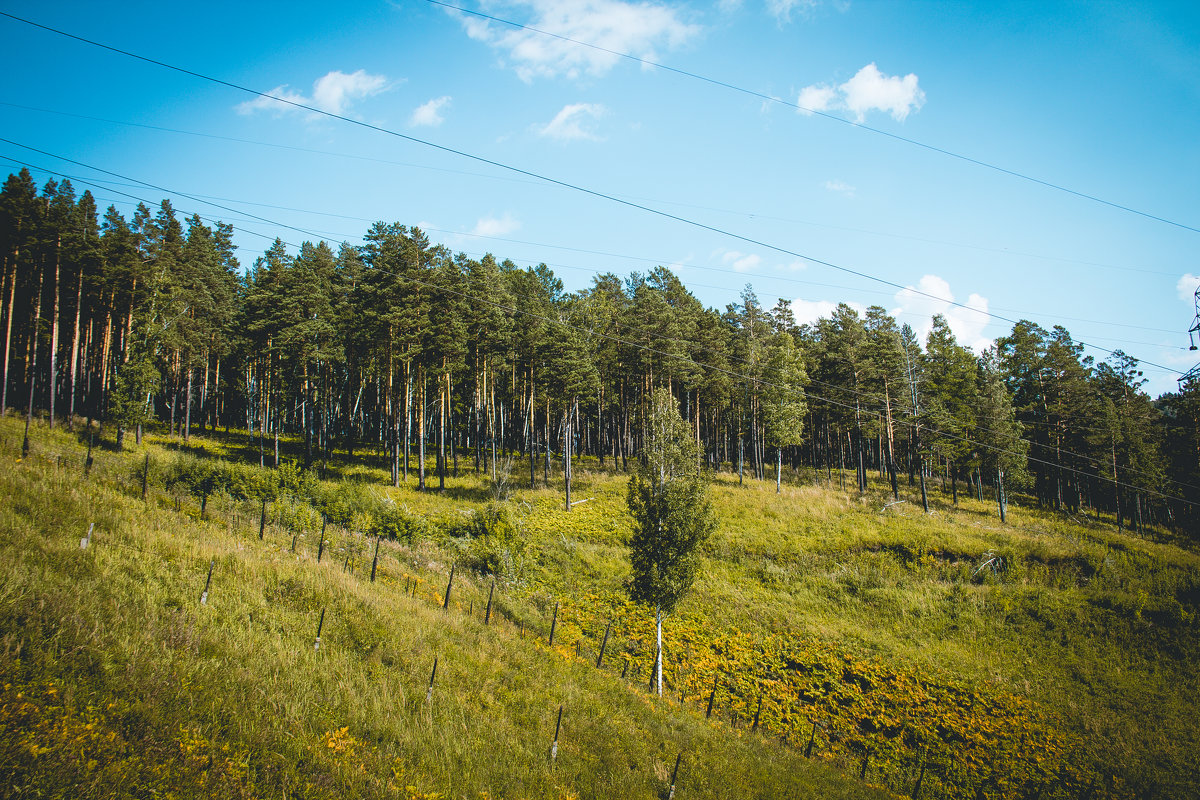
{"x": 834, "y": 636}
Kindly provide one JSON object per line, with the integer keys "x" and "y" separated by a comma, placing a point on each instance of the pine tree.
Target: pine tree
{"x": 668, "y": 498}
{"x": 783, "y": 402}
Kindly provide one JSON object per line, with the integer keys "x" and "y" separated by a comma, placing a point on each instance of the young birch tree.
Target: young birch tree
{"x": 668, "y": 498}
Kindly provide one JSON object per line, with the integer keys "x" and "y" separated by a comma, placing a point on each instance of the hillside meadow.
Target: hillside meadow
{"x": 834, "y": 645}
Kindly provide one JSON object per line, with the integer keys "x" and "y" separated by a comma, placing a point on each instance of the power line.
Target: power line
{"x": 595, "y": 271}
{"x": 733, "y": 212}
{"x": 780, "y": 101}
{"x": 553, "y": 181}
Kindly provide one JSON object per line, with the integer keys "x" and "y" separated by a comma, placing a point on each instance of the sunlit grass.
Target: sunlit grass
{"x": 1079, "y": 640}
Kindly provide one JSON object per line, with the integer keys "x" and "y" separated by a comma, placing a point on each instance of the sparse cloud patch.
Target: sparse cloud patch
{"x": 741, "y": 262}
{"x": 840, "y": 187}
{"x": 429, "y": 114}
{"x": 491, "y": 226}
{"x": 333, "y": 92}
{"x": 782, "y": 10}
{"x": 1187, "y": 287}
{"x": 613, "y": 27}
{"x": 574, "y": 122}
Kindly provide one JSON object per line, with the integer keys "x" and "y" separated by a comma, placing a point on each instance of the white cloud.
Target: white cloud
{"x": 808, "y": 312}
{"x": 781, "y": 10}
{"x": 332, "y": 92}
{"x": 262, "y": 103}
{"x": 573, "y": 122}
{"x": 871, "y": 90}
{"x": 429, "y": 114}
{"x": 1187, "y": 287}
{"x": 741, "y": 262}
{"x": 490, "y": 226}
{"x": 868, "y": 90}
{"x": 613, "y": 27}
{"x": 816, "y": 98}
{"x": 841, "y": 187}
{"x": 932, "y": 296}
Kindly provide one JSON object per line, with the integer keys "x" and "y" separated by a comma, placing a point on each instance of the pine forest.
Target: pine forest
{"x": 404, "y": 349}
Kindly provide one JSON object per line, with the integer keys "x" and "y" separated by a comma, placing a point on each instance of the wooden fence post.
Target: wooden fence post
{"x": 711, "y": 698}
{"x": 375, "y": 560}
{"x": 87, "y": 465}
{"x": 487, "y": 615}
{"x": 674, "y": 775}
{"x": 432, "y": 675}
{"x": 554, "y": 744}
{"x": 553, "y": 625}
{"x": 145, "y": 475}
{"x": 207, "y": 583}
{"x": 920, "y": 777}
{"x": 449, "y": 585}
{"x": 812, "y": 737}
{"x": 320, "y": 625}
{"x": 321, "y": 546}
{"x": 603, "y": 644}
{"x": 262, "y": 520}
{"x": 1000, "y": 494}
{"x": 86, "y": 540}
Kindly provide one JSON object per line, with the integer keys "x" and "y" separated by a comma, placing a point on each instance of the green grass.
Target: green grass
{"x": 1067, "y": 673}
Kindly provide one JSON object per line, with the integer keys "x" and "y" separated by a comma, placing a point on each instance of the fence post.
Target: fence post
{"x": 554, "y": 744}
{"x": 321, "y": 546}
{"x": 432, "y": 675}
{"x": 674, "y": 775}
{"x": 603, "y": 644}
{"x": 86, "y": 540}
{"x": 812, "y": 737}
{"x": 553, "y": 625}
{"x": 145, "y": 475}
{"x": 262, "y": 520}
{"x": 487, "y": 615}
{"x": 375, "y": 560}
{"x": 207, "y": 583}
{"x": 711, "y": 697}
{"x": 449, "y": 584}
{"x": 320, "y": 625}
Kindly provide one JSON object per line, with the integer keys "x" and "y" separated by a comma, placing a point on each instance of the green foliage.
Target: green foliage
{"x": 667, "y": 497}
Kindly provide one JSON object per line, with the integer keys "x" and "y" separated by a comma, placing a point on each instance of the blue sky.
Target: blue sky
{"x": 1102, "y": 99}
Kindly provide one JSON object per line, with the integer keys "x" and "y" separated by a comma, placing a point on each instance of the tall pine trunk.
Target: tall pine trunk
{"x": 75, "y": 350}
{"x": 12, "y": 298}
{"x": 421, "y": 434}
{"x": 33, "y": 334}
{"x": 53, "y": 382}
{"x": 658, "y": 649}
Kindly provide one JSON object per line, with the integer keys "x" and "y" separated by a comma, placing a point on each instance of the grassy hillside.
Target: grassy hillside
{"x": 849, "y": 647}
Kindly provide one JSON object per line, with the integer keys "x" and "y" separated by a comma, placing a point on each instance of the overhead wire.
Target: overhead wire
{"x": 547, "y": 179}
{"x": 643, "y": 259}
{"x": 816, "y": 112}
{"x": 749, "y": 214}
